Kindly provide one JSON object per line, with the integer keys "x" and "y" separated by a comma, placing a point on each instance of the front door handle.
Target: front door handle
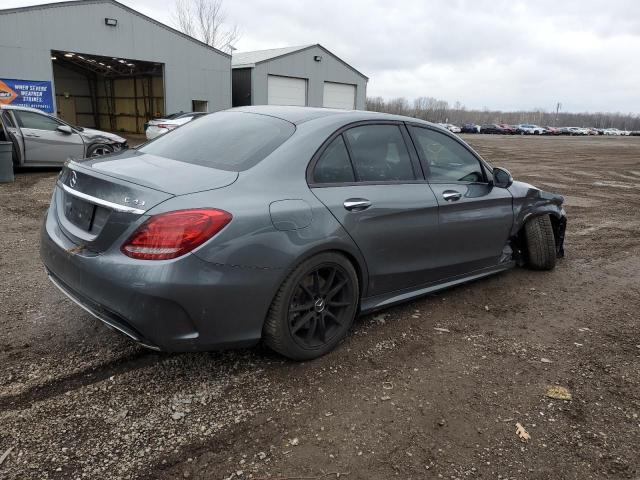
{"x": 451, "y": 195}
{"x": 356, "y": 204}
{"x": 31, "y": 135}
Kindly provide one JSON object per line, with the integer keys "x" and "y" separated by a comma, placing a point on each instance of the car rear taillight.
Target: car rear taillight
{"x": 172, "y": 234}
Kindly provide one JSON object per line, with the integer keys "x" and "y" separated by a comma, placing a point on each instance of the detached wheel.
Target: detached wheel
{"x": 314, "y": 308}
{"x": 99, "y": 149}
{"x": 541, "y": 243}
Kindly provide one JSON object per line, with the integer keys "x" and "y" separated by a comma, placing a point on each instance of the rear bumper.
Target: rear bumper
{"x": 107, "y": 317}
{"x": 185, "y": 304}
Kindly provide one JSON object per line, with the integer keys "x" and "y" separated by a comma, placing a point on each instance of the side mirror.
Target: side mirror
{"x": 502, "y": 178}
{"x": 65, "y": 129}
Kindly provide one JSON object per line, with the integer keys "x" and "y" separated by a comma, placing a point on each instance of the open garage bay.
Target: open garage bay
{"x": 433, "y": 387}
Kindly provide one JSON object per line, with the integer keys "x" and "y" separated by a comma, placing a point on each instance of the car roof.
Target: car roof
{"x": 298, "y": 115}
{"x": 15, "y": 107}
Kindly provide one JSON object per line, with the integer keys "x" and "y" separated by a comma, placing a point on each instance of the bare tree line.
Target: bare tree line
{"x": 206, "y": 20}
{"x": 439, "y": 111}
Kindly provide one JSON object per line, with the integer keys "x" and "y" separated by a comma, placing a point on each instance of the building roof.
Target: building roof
{"x": 71, "y": 3}
{"x": 251, "y": 59}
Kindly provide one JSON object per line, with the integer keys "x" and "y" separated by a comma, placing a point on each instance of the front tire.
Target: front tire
{"x": 314, "y": 308}
{"x": 99, "y": 149}
{"x": 541, "y": 243}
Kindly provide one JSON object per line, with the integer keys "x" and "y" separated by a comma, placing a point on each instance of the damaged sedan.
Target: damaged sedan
{"x": 282, "y": 224}
{"x": 42, "y": 140}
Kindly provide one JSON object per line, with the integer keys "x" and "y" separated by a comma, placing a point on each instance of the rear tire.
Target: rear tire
{"x": 541, "y": 243}
{"x": 314, "y": 308}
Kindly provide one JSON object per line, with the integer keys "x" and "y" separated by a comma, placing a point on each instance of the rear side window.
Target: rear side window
{"x": 36, "y": 121}
{"x": 233, "y": 141}
{"x": 379, "y": 153}
{"x": 334, "y": 165}
{"x": 448, "y": 160}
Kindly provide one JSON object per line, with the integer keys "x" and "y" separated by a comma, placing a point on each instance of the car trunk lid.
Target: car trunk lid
{"x": 99, "y": 199}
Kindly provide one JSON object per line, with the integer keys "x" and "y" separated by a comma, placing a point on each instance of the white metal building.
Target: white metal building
{"x": 307, "y": 75}
{"x": 98, "y": 63}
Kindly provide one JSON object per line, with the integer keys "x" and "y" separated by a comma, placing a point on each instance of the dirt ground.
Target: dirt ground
{"x": 430, "y": 389}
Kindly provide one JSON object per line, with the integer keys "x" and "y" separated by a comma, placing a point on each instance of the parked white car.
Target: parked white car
{"x": 160, "y": 126}
{"x": 612, "y": 131}
{"x": 530, "y": 129}
{"x": 451, "y": 127}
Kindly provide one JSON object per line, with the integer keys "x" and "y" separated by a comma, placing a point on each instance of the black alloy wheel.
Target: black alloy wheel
{"x": 318, "y": 306}
{"x": 314, "y": 308}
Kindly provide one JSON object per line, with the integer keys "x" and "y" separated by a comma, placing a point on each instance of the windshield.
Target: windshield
{"x": 232, "y": 141}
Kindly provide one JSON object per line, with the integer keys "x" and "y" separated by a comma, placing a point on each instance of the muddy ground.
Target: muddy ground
{"x": 398, "y": 399}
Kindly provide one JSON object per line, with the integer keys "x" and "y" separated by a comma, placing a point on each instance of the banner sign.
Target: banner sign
{"x": 26, "y": 93}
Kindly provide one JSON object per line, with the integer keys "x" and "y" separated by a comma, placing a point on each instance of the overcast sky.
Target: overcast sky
{"x": 507, "y": 54}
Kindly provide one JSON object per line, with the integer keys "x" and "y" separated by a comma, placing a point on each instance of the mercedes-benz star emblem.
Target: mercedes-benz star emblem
{"x": 74, "y": 179}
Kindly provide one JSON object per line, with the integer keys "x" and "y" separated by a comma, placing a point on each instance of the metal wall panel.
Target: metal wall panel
{"x": 302, "y": 65}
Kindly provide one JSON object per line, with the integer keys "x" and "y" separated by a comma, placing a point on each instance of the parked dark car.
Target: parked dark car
{"x": 492, "y": 128}
{"x": 284, "y": 223}
{"x": 470, "y": 128}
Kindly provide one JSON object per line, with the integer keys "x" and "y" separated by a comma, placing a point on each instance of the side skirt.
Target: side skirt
{"x": 370, "y": 304}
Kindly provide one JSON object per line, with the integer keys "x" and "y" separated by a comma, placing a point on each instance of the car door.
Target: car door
{"x": 43, "y": 142}
{"x": 474, "y": 217}
{"x": 373, "y": 184}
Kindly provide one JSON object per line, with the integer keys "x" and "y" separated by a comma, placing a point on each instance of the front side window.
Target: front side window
{"x": 334, "y": 165}
{"x": 379, "y": 153}
{"x": 447, "y": 159}
{"x": 36, "y": 121}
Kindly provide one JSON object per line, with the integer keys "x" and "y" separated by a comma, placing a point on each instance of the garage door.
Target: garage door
{"x": 339, "y": 95}
{"x": 286, "y": 91}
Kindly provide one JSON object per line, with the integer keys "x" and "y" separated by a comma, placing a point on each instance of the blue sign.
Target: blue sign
{"x": 26, "y": 93}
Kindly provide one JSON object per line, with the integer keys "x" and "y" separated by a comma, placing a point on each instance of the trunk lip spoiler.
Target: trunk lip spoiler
{"x": 99, "y": 201}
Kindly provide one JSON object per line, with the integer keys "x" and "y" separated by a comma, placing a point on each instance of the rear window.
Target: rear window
{"x": 233, "y": 141}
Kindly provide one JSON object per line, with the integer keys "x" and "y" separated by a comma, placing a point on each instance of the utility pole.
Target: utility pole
{"x": 558, "y": 107}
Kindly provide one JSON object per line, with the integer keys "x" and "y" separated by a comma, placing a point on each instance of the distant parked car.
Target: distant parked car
{"x": 160, "y": 126}
{"x": 42, "y": 140}
{"x": 492, "y": 128}
{"x": 611, "y": 131}
{"x": 470, "y": 128}
{"x": 451, "y": 127}
{"x": 552, "y": 131}
{"x": 635, "y": 133}
{"x": 530, "y": 129}
{"x": 509, "y": 129}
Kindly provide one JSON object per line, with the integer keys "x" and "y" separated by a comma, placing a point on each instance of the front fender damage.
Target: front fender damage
{"x": 530, "y": 202}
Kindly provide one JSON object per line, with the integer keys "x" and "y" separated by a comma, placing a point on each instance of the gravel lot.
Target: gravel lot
{"x": 430, "y": 389}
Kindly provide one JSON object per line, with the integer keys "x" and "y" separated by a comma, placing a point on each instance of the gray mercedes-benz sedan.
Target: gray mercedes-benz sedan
{"x": 282, "y": 224}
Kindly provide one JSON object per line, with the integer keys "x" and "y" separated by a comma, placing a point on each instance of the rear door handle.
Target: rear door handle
{"x": 451, "y": 195}
{"x": 356, "y": 204}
